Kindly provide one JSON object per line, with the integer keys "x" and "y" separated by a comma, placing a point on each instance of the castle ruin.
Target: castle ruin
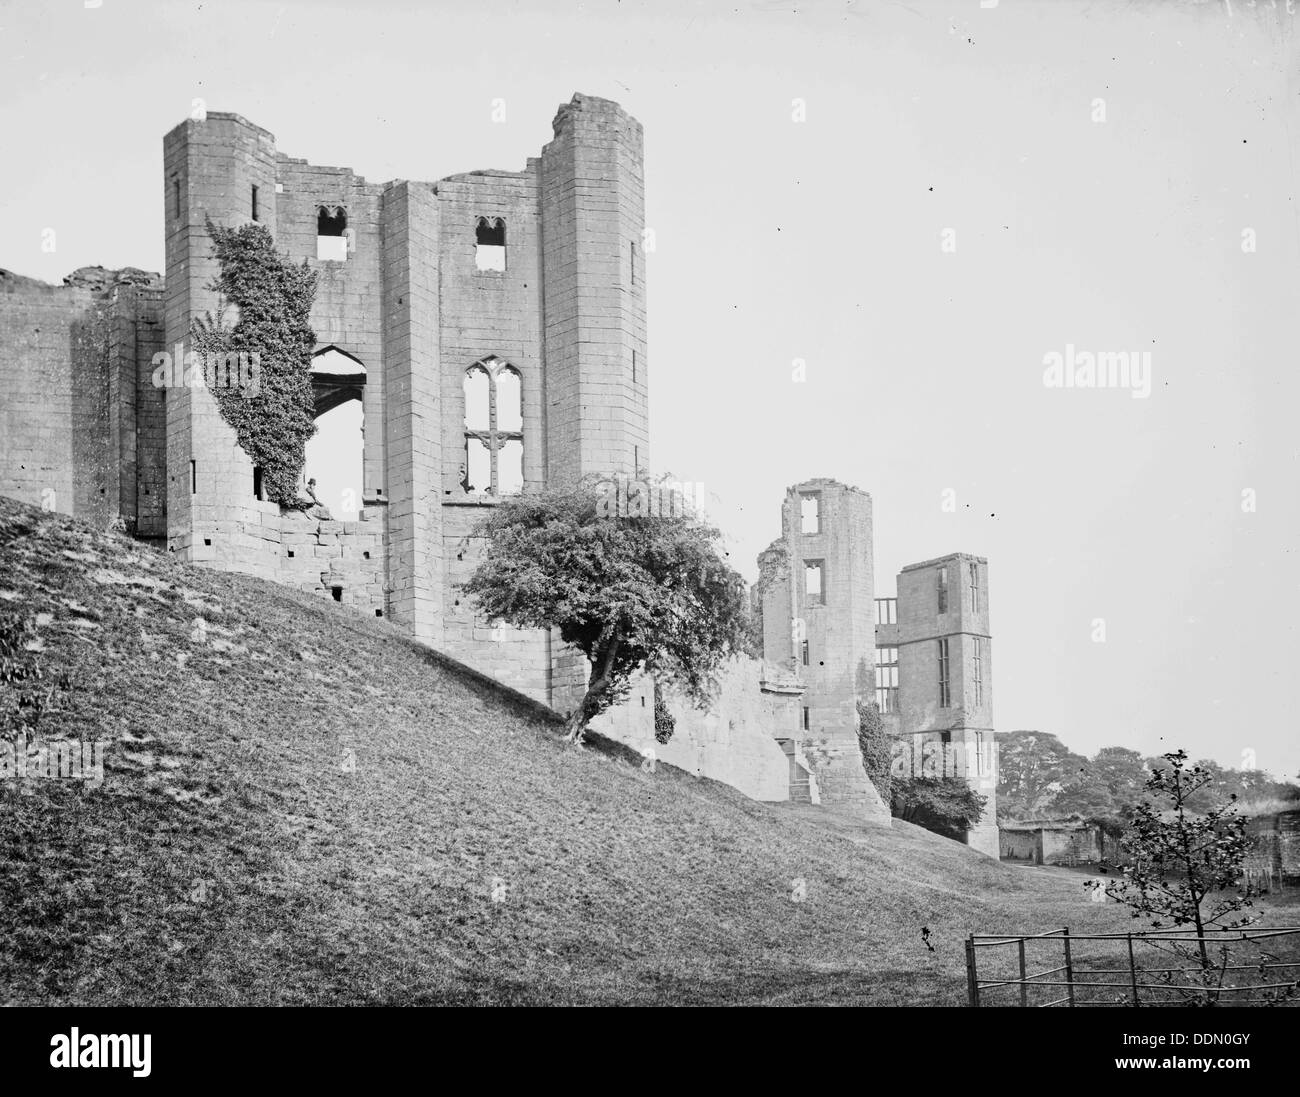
{"x": 492, "y": 328}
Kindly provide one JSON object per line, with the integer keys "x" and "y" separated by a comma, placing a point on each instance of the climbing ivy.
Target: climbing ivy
{"x": 273, "y": 419}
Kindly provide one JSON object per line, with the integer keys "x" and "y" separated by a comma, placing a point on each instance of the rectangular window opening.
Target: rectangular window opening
{"x": 254, "y": 204}
{"x": 974, "y": 588}
{"x": 943, "y": 590}
{"x": 257, "y": 481}
{"x": 337, "y": 593}
{"x": 978, "y": 667}
{"x": 194, "y": 477}
{"x": 805, "y": 718}
{"x": 805, "y": 652}
{"x": 887, "y": 679}
{"x": 814, "y": 581}
{"x": 945, "y": 692}
{"x": 176, "y": 195}
{"x": 810, "y": 514}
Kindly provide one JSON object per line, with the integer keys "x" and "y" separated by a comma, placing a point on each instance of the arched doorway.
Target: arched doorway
{"x": 335, "y": 453}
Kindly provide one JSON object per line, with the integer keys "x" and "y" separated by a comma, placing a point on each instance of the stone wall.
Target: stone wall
{"x": 734, "y": 740}
{"x": 75, "y": 376}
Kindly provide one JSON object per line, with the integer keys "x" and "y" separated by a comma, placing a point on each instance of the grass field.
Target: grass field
{"x": 302, "y": 807}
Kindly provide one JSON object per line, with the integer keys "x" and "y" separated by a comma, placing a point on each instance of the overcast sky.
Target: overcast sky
{"x": 1097, "y": 164}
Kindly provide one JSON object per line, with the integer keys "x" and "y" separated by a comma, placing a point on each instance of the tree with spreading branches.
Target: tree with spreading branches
{"x": 631, "y": 593}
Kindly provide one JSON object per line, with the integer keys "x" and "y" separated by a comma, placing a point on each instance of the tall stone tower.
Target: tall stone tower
{"x": 210, "y": 168}
{"x": 492, "y": 326}
{"x": 818, "y": 619}
{"x": 935, "y": 677}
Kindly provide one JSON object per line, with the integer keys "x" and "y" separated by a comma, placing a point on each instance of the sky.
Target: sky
{"x": 919, "y": 201}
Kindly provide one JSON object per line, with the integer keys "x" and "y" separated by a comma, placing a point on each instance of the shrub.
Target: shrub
{"x": 945, "y": 805}
{"x": 877, "y": 747}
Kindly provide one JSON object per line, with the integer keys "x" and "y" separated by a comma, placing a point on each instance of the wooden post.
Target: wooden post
{"x": 1024, "y": 987}
{"x": 1069, "y": 966}
{"x": 972, "y": 977}
{"x": 1132, "y": 971}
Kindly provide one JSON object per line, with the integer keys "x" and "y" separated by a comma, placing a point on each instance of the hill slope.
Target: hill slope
{"x": 300, "y": 806}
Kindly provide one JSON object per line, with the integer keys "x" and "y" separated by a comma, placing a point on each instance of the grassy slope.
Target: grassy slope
{"x": 227, "y": 764}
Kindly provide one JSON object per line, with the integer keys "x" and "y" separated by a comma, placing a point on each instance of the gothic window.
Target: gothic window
{"x": 331, "y": 232}
{"x": 979, "y": 670}
{"x": 943, "y": 590}
{"x": 490, "y": 244}
{"x": 494, "y": 422}
{"x": 945, "y": 692}
{"x": 974, "y": 588}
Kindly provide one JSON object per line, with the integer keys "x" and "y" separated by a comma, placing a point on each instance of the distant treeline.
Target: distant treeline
{"x": 1039, "y": 777}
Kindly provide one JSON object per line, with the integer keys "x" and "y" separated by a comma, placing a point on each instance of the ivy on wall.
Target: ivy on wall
{"x": 274, "y": 418}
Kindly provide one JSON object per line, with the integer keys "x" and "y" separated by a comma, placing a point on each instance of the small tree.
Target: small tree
{"x": 647, "y": 593}
{"x": 1185, "y": 870}
{"x": 877, "y": 746}
{"x": 945, "y": 805}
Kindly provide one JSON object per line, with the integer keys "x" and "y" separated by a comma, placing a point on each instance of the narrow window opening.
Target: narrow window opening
{"x": 257, "y": 481}
{"x": 943, "y": 590}
{"x": 978, "y": 670}
{"x": 490, "y": 244}
{"x": 254, "y": 204}
{"x": 337, "y": 593}
{"x": 810, "y": 514}
{"x": 632, "y": 262}
{"x": 974, "y": 588}
{"x": 805, "y": 718}
{"x": 945, "y": 693}
{"x": 379, "y": 613}
{"x": 331, "y": 233}
{"x": 176, "y": 195}
{"x": 194, "y": 477}
{"x": 804, "y": 647}
{"x": 887, "y": 679}
{"x": 634, "y": 367}
{"x": 636, "y": 460}
{"x": 814, "y": 584}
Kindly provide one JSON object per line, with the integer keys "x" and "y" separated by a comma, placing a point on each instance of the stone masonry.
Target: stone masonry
{"x": 526, "y": 289}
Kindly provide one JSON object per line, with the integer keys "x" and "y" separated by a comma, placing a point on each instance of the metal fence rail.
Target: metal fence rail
{"x": 1132, "y": 969}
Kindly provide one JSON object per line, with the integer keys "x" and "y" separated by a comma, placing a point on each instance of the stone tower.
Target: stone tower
{"x": 818, "y": 619}
{"x": 935, "y": 675}
{"x": 493, "y": 325}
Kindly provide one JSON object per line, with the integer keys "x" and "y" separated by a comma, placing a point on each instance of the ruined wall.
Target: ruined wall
{"x": 1275, "y": 845}
{"x": 37, "y": 375}
{"x": 734, "y": 741}
{"x": 74, "y": 365}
